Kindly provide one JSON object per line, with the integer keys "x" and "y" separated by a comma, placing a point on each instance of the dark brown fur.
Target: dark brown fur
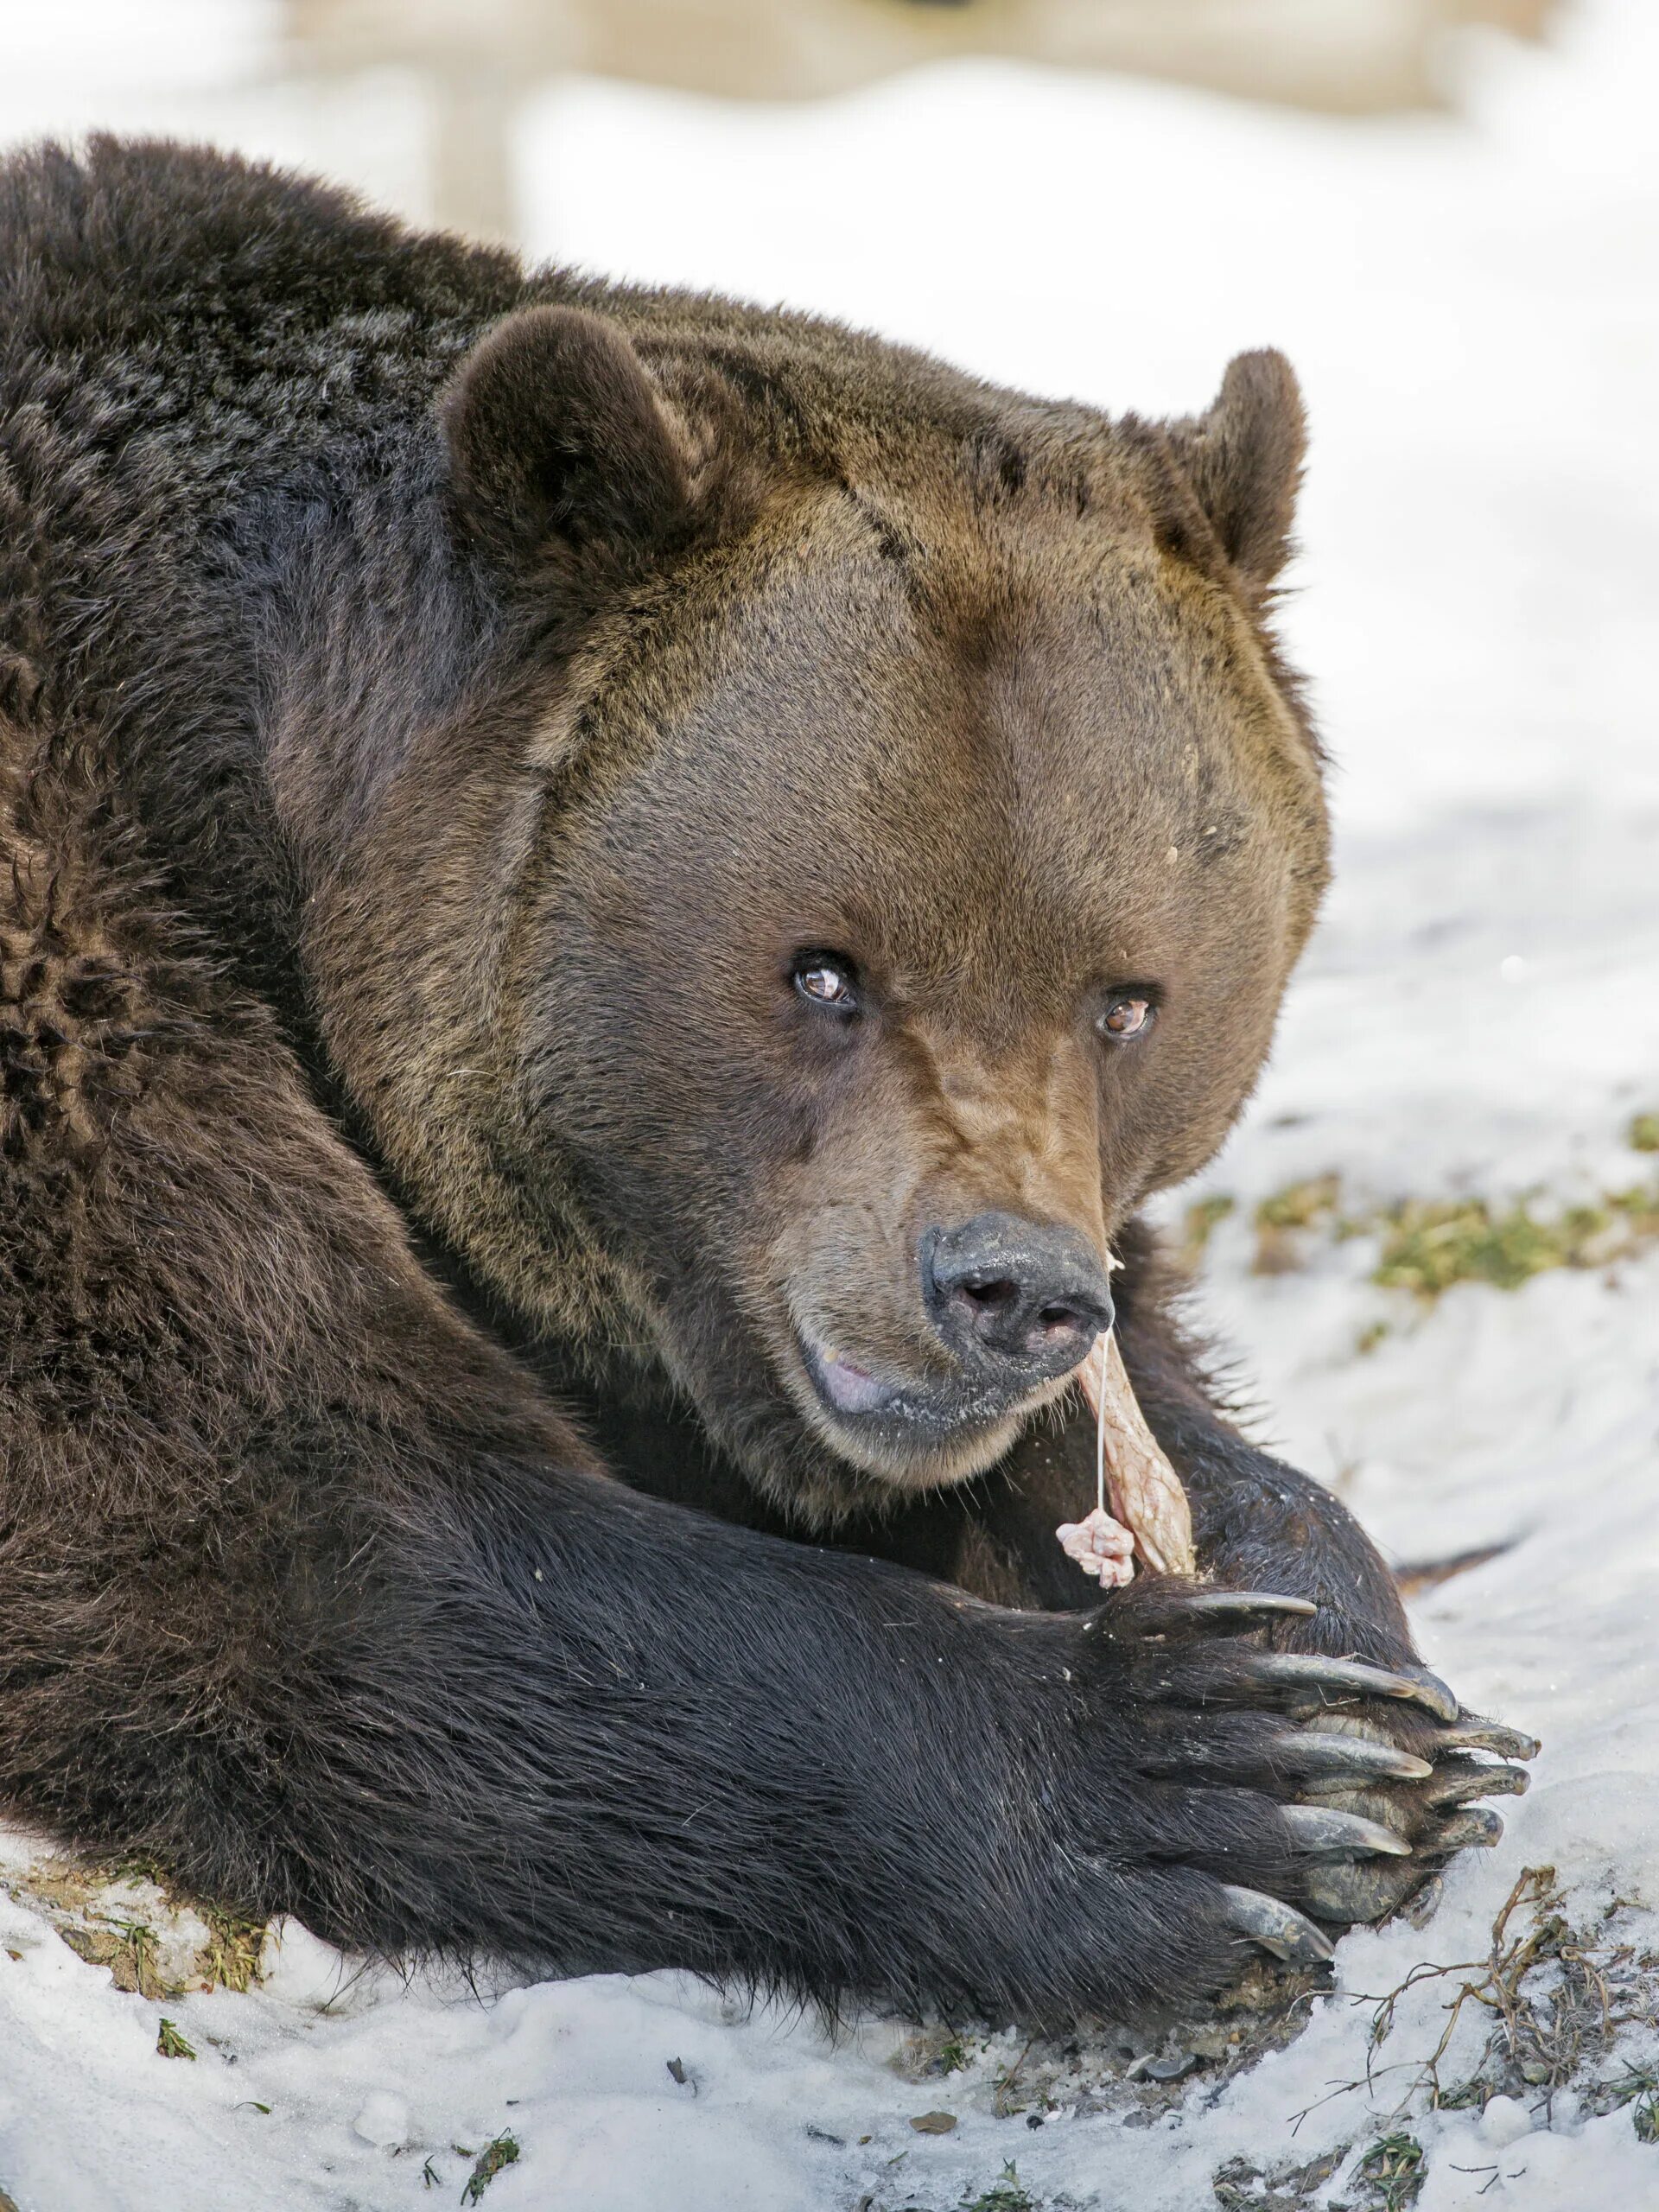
{"x": 438, "y": 704}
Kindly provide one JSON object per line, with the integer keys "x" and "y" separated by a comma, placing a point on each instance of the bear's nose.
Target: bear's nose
{"x": 1021, "y": 1299}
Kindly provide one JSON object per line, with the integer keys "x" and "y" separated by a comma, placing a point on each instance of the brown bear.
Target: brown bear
{"x": 609, "y": 903}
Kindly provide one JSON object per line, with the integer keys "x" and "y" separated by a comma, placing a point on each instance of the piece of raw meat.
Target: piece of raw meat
{"x": 1149, "y": 1517}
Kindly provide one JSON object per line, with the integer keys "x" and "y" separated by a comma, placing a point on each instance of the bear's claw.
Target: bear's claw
{"x": 1433, "y": 1812}
{"x": 1460, "y": 1780}
{"x": 1318, "y": 1828}
{"x": 1323, "y": 1679}
{"x": 1230, "y": 1610}
{"x": 1474, "y": 1828}
{"x": 1276, "y": 1926}
{"x": 1471, "y": 1733}
{"x": 1432, "y": 1693}
{"x": 1335, "y": 1761}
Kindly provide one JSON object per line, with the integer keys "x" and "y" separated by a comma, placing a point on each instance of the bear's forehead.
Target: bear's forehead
{"x": 1023, "y": 684}
{"x": 1049, "y": 741}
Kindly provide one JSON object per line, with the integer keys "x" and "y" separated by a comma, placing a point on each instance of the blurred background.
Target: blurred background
{"x": 448, "y": 84}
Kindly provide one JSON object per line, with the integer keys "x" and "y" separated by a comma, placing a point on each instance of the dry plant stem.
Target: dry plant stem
{"x": 1145, "y": 1492}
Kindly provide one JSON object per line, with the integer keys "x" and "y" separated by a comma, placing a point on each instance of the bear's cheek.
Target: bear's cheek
{"x": 1206, "y": 1070}
{"x": 831, "y": 1247}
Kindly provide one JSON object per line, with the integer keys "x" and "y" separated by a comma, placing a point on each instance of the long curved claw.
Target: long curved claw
{"x": 1318, "y": 1828}
{"x": 1235, "y": 1608}
{"x": 1321, "y": 1679}
{"x": 1460, "y": 1782}
{"x": 1476, "y": 1827}
{"x": 1432, "y": 1693}
{"x": 1277, "y": 1928}
{"x": 1471, "y": 1733}
{"x": 1335, "y": 1760}
{"x": 1422, "y": 1905}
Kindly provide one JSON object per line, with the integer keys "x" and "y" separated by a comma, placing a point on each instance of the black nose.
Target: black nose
{"x": 1022, "y": 1300}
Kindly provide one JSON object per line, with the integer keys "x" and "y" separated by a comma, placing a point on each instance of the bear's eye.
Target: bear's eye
{"x": 1129, "y": 1014}
{"x": 826, "y": 979}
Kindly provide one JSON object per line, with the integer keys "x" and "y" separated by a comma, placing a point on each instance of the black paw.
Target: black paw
{"x": 1203, "y": 1766}
{"x": 1308, "y": 1785}
{"x": 1390, "y": 1745}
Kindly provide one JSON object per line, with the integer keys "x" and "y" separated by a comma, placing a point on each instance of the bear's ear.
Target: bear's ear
{"x": 559, "y": 440}
{"x": 1244, "y": 459}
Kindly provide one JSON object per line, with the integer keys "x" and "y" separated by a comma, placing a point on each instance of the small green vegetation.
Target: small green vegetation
{"x": 124, "y": 1916}
{"x": 1427, "y": 1248}
{"x": 1429, "y": 1245}
{"x": 171, "y": 2043}
{"x": 1300, "y": 1205}
{"x": 936, "y": 2050}
{"x": 1393, "y": 2171}
{"x": 1464, "y": 2096}
{"x": 1010, "y": 2093}
{"x": 1371, "y": 1336}
{"x": 1558, "y": 1996}
{"x": 1644, "y": 1133}
{"x": 140, "y": 1940}
{"x": 1638, "y": 2087}
{"x": 1199, "y": 1223}
{"x": 1285, "y": 1222}
{"x": 1242, "y": 2186}
{"x": 1009, "y": 2194}
{"x": 231, "y": 1957}
{"x": 502, "y": 2153}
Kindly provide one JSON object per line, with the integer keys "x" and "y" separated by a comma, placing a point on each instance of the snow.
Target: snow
{"x": 1471, "y": 303}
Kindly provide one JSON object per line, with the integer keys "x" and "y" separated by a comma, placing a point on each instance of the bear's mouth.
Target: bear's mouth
{"x": 938, "y": 1428}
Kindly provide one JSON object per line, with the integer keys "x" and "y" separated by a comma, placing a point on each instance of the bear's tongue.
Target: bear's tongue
{"x": 851, "y": 1389}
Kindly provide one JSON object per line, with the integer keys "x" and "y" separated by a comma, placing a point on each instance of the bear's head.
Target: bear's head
{"x": 876, "y": 870}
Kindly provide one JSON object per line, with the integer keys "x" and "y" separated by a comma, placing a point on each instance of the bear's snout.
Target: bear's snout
{"x": 1014, "y": 1301}
{"x": 923, "y": 1375}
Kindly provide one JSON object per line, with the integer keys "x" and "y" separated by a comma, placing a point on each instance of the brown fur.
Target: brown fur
{"x": 438, "y": 708}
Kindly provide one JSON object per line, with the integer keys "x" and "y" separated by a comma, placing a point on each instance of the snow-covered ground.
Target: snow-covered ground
{"x": 1473, "y": 306}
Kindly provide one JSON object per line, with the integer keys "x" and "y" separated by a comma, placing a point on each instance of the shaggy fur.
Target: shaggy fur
{"x": 437, "y": 705}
